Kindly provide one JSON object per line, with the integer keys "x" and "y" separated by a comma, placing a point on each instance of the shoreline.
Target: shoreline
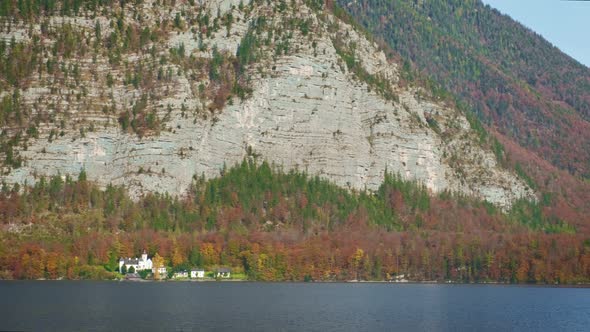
{"x": 580, "y": 285}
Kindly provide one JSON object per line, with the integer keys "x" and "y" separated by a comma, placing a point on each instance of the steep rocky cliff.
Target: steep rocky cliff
{"x": 213, "y": 81}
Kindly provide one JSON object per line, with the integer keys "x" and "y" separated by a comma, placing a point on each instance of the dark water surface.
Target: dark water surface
{"x": 190, "y": 306}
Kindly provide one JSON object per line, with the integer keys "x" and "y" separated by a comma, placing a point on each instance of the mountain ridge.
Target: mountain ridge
{"x": 191, "y": 98}
{"x": 512, "y": 78}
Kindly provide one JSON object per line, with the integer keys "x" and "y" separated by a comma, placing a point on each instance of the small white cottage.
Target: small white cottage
{"x": 197, "y": 273}
{"x": 180, "y": 274}
{"x": 138, "y": 264}
{"x": 162, "y": 271}
{"x": 223, "y": 272}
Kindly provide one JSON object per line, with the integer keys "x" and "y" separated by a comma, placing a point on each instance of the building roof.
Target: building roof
{"x": 197, "y": 270}
{"x": 224, "y": 270}
{"x": 131, "y": 261}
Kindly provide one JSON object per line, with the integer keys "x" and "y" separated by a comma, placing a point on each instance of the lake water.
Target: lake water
{"x": 223, "y": 306}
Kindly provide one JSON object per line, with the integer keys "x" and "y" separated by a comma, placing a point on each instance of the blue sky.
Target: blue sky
{"x": 566, "y": 24}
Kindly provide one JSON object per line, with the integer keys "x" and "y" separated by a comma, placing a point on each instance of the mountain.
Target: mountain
{"x": 533, "y": 98}
{"x": 155, "y": 95}
{"x": 277, "y": 137}
{"x": 511, "y": 77}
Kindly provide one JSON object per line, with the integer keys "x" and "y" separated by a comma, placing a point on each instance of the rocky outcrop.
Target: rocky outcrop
{"x": 307, "y": 112}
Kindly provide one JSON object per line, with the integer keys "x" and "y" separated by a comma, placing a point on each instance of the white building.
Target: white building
{"x": 180, "y": 274}
{"x": 162, "y": 272}
{"x": 197, "y": 273}
{"x": 138, "y": 264}
{"x": 223, "y": 272}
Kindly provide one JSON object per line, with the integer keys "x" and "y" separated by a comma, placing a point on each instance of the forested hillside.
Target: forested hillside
{"x": 118, "y": 118}
{"x": 144, "y": 93}
{"x": 533, "y": 98}
{"x": 273, "y": 225}
{"x": 512, "y": 78}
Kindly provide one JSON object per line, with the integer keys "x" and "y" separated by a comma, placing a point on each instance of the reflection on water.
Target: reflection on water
{"x": 190, "y": 306}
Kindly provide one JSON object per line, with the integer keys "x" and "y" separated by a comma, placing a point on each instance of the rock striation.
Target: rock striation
{"x": 308, "y": 111}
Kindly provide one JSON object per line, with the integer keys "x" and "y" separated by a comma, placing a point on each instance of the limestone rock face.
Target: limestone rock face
{"x": 307, "y": 111}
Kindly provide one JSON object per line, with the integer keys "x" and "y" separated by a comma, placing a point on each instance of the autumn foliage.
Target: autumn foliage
{"x": 273, "y": 225}
{"x": 512, "y": 79}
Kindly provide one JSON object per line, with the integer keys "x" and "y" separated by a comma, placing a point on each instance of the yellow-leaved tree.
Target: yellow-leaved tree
{"x": 177, "y": 256}
{"x": 356, "y": 261}
{"x": 157, "y": 262}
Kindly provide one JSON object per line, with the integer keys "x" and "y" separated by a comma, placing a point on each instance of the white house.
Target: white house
{"x": 161, "y": 271}
{"x": 138, "y": 264}
{"x": 197, "y": 273}
{"x": 223, "y": 272}
{"x": 180, "y": 274}
{"x": 400, "y": 278}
